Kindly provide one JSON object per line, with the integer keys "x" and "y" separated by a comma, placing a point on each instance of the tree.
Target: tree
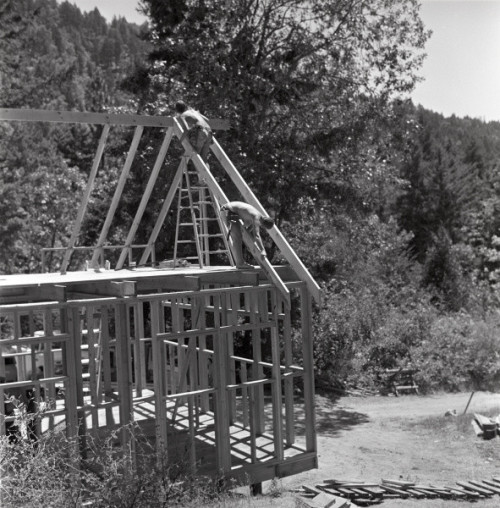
{"x": 298, "y": 80}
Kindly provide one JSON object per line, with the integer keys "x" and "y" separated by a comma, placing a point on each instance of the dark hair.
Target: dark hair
{"x": 180, "y": 106}
{"x": 267, "y": 222}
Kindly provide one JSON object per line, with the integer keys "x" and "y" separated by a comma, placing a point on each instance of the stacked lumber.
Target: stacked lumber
{"x": 369, "y": 493}
{"x": 485, "y": 427}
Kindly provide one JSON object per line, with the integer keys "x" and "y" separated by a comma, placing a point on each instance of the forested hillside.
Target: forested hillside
{"x": 394, "y": 209}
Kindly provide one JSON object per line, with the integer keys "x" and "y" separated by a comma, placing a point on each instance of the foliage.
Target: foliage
{"x": 48, "y": 473}
{"x": 299, "y": 81}
{"x": 53, "y": 57}
{"x": 393, "y": 209}
{"x": 460, "y": 352}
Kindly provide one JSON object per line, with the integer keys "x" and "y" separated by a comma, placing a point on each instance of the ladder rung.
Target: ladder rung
{"x": 209, "y": 235}
{"x": 218, "y": 251}
{"x": 186, "y": 241}
{"x": 186, "y": 224}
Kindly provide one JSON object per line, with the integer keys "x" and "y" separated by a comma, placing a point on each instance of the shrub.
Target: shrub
{"x": 50, "y": 473}
{"x": 461, "y": 352}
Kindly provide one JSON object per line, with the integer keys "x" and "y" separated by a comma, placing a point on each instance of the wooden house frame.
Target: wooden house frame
{"x": 154, "y": 344}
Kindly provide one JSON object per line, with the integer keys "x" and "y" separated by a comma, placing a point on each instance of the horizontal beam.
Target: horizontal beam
{"x": 170, "y": 283}
{"x": 238, "y": 277}
{"x": 26, "y": 294}
{"x": 41, "y": 115}
{"x": 104, "y": 288}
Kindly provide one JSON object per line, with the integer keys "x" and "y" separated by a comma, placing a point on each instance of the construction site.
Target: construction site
{"x": 198, "y": 353}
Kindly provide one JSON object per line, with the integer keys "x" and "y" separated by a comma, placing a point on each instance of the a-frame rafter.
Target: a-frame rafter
{"x": 173, "y": 128}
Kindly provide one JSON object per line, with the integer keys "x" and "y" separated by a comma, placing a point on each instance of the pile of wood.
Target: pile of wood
{"x": 485, "y": 427}
{"x": 365, "y": 493}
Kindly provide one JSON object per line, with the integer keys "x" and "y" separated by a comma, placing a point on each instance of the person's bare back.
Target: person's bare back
{"x": 196, "y": 127}
{"x": 252, "y": 219}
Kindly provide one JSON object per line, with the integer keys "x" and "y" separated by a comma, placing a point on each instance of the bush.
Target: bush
{"x": 50, "y": 473}
{"x": 461, "y": 352}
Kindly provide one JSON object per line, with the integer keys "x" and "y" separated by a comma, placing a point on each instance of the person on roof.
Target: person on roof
{"x": 238, "y": 214}
{"x": 196, "y": 127}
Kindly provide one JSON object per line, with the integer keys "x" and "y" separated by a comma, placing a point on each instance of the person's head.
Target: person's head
{"x": 267, "y": 222}
{"x": 180, "y": 107}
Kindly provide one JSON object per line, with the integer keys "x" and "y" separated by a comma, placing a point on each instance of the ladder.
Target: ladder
{"x": 200, "y": 233}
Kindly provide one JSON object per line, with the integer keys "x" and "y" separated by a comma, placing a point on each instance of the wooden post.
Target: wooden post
{"x": 257, "y": 370}
{"x": 159, "y": 383}
{"x": 123, "y": 374}
{"x": 74, "y": 397}
{"x": 139, "y": 361}
{"x": 307, "y": 351}
{"x": 244, "y": 394}
{"x": 70, "y": 322}
{"x": 139, "y": 316}
{"x": 77, "y": 372}
{"x": 289, "y": 409}
{"x": 222, "y": 439}
{"x": 200, "y": 324}
{"x": 232, "y": 318}
{"x": 276, "y": 386}
{"x": 106, "y": 364}
{"x": 93, "y": 373}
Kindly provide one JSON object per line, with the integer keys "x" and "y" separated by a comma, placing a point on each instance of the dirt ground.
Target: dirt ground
{"x": 407, "y": 437}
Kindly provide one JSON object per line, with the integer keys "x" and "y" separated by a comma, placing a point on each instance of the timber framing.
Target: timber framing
{"x": 198, "y": 354}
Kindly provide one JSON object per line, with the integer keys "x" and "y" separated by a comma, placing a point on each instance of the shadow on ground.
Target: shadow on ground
{"x": 332, "y": 417}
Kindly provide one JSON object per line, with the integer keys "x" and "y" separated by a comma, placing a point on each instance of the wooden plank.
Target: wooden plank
{"x": 276, "y": 388}
{"x": 46, "y": 293}
{"x": 106, "y": 288}
{"x": 142, "y": 346}
{"x": 170, "y": 283}
{"x": 307, "y": 352}
{"x": 244, "y": 394}
{"x": 117, "y": 195}
{"x": 236, "y": 277}
{"x": 123, "y": 375}
{"x": 106, "y": 363}
{"x": 288, "y": 382}
{"x": 492, "y": 486}
{"x": 198, "y": 321}
{"x": 163, "y": 212}
{"x": 257, "y": 370}
{"x": 145, "y": 197}
{"x": 487, "y": 485}
{"x": 231, "y": 316}
{"x": 159, "y": 385}
{"x": 218, "y": 193}
{"x": 85, "y": 199}
{"x": 39, "y": 115}
{"x": 475, "y": 488}
{"x": 274, "y": 233}
{"x": 223, "y": 443}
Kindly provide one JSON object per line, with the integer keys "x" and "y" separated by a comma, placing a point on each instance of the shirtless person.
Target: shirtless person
{"x": 237, "y": 212}
{"x": 195, "y": 126}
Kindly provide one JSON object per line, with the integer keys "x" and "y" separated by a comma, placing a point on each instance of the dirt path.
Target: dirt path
{"x": 407, "y": 437}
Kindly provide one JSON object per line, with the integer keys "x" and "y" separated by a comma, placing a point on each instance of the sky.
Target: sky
{"x": 462, "y": 69}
